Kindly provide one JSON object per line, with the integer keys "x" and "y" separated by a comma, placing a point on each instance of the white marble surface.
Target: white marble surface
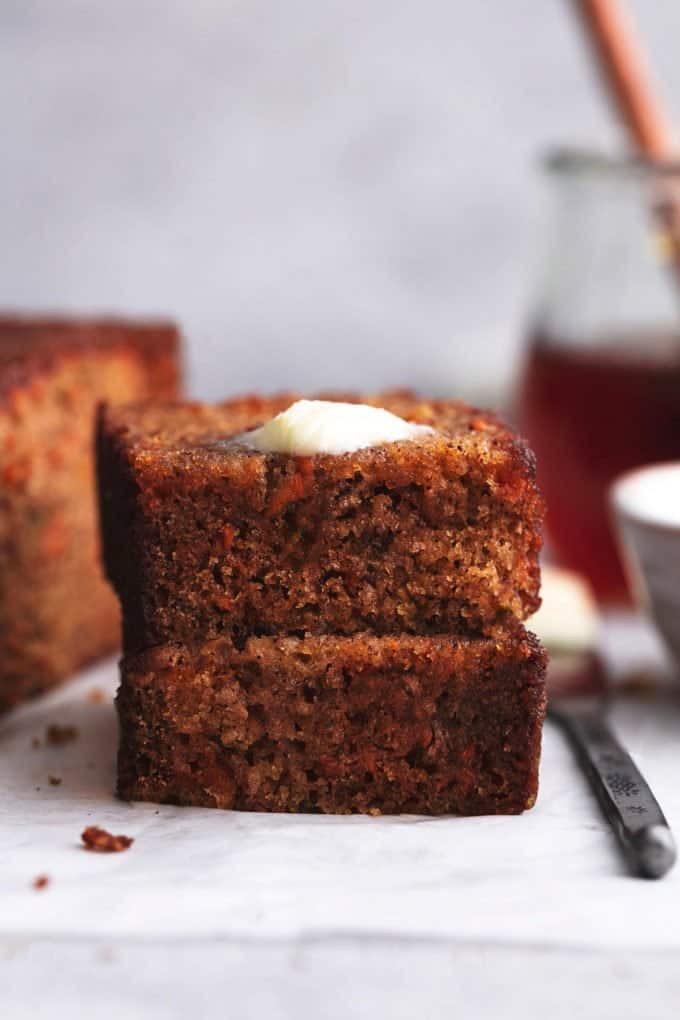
{"x": 367, "y": 916}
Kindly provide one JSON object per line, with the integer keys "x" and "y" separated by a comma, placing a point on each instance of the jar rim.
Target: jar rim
{"x": 574, "y": 160}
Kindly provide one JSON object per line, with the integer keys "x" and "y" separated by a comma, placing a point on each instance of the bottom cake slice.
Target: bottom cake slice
{"x": 426, "y": 725}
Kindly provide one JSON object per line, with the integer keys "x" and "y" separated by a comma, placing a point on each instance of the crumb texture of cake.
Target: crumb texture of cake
{"x": 205, "y": 537}
{"x": 56, "y": 610}
{"x": 425, "y": 725}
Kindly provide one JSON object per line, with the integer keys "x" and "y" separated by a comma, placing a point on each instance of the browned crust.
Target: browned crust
{"x": 31, "y": 345}
{"x": 180, "y": 428}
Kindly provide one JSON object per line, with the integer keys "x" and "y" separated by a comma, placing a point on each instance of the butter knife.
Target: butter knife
{"x": 624, "y": 795}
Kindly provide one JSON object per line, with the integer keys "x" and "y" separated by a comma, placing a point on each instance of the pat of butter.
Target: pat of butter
{"x": 568, "y": 620}
{"x": 328, "y": 426}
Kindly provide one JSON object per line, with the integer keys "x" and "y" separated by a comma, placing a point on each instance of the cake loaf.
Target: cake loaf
{"x": 205, "y": 536}
{"x": 336, "y": 724}
{"x": 56, "y": 610}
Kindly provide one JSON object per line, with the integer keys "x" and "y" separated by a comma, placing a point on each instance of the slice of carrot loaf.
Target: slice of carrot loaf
{"x": 56, "y": 610}
{"x": 426, "y": 725}
{"x": 206, "y": 536}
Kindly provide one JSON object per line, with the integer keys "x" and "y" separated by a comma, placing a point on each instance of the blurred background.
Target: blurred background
{"x": 324, "y": 194}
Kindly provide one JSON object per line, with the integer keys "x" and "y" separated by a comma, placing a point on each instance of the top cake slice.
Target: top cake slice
{"x": 206, "y": 536}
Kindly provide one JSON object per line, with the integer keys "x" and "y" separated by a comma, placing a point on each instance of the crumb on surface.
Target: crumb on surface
{"x": 96, "y": 696}
{"x": 101, "y": 841}
{"x": 41, "y": 881}
{"x": 36, "y": 742}
{"x": 54, "y": 780}
{"x": 56, "y": 734}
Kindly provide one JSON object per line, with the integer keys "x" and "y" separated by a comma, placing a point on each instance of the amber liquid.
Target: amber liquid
{"x": 589, "y": 415}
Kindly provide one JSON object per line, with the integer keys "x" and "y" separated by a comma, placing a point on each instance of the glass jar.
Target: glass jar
{"x": 600, "y": 389}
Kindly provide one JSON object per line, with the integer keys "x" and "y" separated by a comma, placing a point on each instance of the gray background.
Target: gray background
{"x": 325, "y": 192}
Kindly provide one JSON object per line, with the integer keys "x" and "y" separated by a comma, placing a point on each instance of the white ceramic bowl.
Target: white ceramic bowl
{"x": 646, "y": 506}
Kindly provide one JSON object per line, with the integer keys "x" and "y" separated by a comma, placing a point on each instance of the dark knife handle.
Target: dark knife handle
{"x": 623, "y": 793}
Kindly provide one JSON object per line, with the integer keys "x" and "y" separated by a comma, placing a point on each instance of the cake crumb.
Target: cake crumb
{"x": 36, "y": 742}
{"x": 54, "y": 780}
{"x": 96, "y": 696}
{"x": 41, "y": 881}
{"x": 102, "y": 841}
{"x": 56, "y": 734}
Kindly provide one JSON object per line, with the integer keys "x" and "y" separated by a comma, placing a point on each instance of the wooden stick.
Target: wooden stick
{"x": 623, "y": 68}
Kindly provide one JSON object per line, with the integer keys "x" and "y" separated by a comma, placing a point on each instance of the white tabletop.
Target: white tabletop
{"x": 276, "y": 916}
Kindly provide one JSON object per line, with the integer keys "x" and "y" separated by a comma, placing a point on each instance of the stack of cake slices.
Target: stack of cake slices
{"x": 335, "y": 632}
